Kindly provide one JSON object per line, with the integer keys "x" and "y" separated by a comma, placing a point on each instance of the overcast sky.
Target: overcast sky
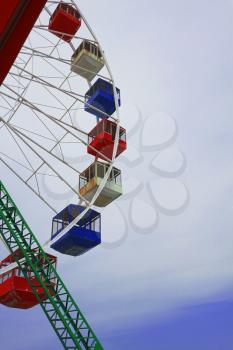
{"x": 167, "y": 281}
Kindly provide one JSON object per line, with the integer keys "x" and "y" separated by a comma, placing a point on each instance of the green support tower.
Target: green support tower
{"x": 60, "y": 308}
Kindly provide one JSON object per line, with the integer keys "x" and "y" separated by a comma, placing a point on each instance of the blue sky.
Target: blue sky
{"x": 172, "y": 288}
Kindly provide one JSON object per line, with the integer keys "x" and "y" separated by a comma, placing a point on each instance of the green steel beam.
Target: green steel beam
{"x": 60, "y": 308}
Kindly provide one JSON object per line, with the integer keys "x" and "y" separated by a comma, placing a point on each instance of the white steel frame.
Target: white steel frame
{"x": 16, "y": 94}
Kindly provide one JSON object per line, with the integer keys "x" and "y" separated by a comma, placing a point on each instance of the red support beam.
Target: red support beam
{"x": 16, "y": 22}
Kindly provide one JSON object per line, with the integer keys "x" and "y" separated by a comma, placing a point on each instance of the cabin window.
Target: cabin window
{"x": 94, "y": 50}
{"x": 74, "y": 212}
{"x": 87, "y": 46}
{"x": 123, "y": 135}
{"x": 92, "y": 172}
{"x": 82, "y": 181}
{"x": 57, "y": 226}
{"x": 114, "y": 127}
{"x": 103, "y": 85}
{"x": 100, "y": 170}
{"x": 70, "y": 10}
{"x": 108, "y": 126}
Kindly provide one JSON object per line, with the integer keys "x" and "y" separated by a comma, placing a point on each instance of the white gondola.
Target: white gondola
{"x": 91, "y": 178}
{"x": 87, "y": 60}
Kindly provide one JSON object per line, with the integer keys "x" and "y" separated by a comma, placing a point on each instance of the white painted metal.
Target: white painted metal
{"x": 55, "y": 118}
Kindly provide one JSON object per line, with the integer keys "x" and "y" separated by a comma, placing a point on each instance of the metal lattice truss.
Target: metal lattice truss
{"x": 43, "y": 126}
{"x": 61, "y": 310}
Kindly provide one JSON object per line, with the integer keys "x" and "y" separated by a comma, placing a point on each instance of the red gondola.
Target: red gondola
{"x": 15, "y": 291}
{"x": 102, "y": 139}
{"x": 65, "y": 22}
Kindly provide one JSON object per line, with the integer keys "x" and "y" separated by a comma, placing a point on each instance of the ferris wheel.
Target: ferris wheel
{"x": 59, "y": 103}
{"x": 60, "y": 125}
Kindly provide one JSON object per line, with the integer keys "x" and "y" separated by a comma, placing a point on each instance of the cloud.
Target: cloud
{"x": 175, "y": 57}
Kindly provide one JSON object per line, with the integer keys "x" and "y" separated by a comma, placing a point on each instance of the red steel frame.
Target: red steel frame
{"x": 17, "y": 20}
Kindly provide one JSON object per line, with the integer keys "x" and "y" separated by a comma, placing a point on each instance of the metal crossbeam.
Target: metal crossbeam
{"x": 61, "y": 310}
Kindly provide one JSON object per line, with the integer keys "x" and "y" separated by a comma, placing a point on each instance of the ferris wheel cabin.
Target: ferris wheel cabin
{"x": 99, "y": 99}
{"x": 17, "y": 20}
{"x": 82, "y": 237}
{"x": 65, "y": 22}
{"x": 87, "y": 60}
{"x": 101, "y": 140}
{"x": 15, "y": 291}
{"x": 90, "y": 180}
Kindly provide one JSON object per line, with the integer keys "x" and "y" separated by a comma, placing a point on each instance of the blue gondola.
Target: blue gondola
{"x": 85, "y": 235}
{"x": 101, "y": 96}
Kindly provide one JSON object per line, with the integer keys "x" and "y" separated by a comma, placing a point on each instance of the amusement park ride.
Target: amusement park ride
{"x": 42, "y": 56}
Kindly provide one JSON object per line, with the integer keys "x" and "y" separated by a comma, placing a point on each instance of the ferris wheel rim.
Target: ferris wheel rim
{"x": 116, "y": 143}
{"x": 89, "y": 204}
